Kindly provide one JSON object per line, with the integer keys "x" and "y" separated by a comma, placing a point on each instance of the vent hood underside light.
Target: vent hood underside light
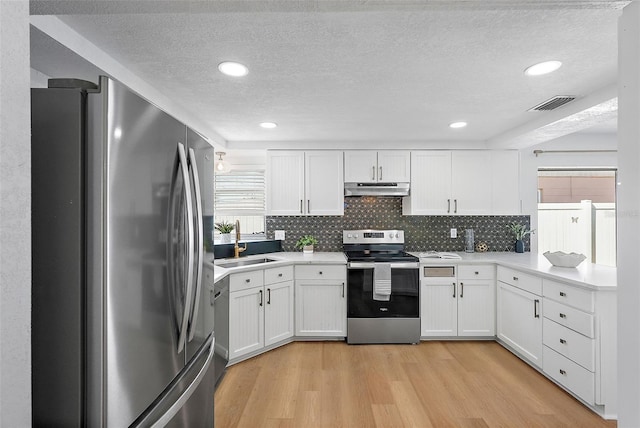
{"x": 553, "y": 103}
{"x": 376, "y": 189}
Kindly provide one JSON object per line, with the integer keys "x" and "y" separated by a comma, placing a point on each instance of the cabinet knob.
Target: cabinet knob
{"x": 562, "y": 372}
{"x": 515, "y": 278}
{"x": 564, "y": 342}
{"x": 280, "y": 275}
{"x": 320, "y": 272}
{"x": 562, "y": 315}
{"x": 563, "y": 294}
{"x": 477, "y": 273}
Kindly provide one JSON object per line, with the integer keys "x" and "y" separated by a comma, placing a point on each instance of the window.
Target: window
{"x": 577, "y": 213}
{"x": 240, "y": 195}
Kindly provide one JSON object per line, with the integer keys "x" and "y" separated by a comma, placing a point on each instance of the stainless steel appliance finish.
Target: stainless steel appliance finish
{"x": 122, "y": 320}
{"x": 376, "y": 189}
{"x": 372, "y": 319}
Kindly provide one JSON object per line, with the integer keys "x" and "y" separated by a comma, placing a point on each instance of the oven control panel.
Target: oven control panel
{"x": 370, "y": 236}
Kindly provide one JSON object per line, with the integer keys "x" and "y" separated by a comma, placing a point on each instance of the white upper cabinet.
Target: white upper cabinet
{"x": 365, "y": 166}
{"x": 305, "y": 183}
{"x": 463, "y": 182}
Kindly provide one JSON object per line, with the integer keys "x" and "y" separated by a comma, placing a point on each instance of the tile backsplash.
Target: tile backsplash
{"x": 422, "y": 233}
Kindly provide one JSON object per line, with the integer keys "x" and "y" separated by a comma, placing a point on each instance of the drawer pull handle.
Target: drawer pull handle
{"x": 564, "y": 342}
{"x": 279, "y": 275}
{"x": 562, "y": 315}
{"x": 260, "y": 297}
{"x": 563, "y": 294}
{"x": 343, "y": 289}
{"x": 515, "y": 278}
{"x": 536, "y": 311}
{"x": 461, "y": 290}
{"x": 268, "y": 296}
{"x": 562, "y": 372}
{"x": 454, "y": 290}
{"x": 477, "y": 273}
{"x": 247, "y": 280}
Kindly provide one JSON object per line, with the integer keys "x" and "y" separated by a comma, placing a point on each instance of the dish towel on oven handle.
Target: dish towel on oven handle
{"x": 382, "y": 282}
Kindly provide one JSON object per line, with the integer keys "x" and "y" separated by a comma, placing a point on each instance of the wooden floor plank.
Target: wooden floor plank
{"x": 432, "y": 384}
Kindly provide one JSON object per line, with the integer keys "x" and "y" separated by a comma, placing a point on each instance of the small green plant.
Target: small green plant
{"x": 519, "y": 230}
{"x": 224, "y": 227}
{"x": 306, "y": 240}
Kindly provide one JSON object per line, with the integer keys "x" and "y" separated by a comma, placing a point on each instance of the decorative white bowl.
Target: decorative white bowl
{"x": 563, "y": 259}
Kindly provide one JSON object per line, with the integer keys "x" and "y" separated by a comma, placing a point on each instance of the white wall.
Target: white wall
{"x": 529, "y": 164}
{"x": 629, "y": 217}
{"x": 39, "y": 80}
{"x": 15, "y": 216}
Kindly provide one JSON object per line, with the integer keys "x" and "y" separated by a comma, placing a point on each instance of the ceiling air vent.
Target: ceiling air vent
{"x": 553, "y": 103}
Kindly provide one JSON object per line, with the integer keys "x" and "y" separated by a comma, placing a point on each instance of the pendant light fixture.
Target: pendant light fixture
{"x": 221, "y": 166}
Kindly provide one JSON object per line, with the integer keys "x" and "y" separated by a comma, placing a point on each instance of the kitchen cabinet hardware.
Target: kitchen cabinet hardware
{"x": 461, "y": 289}
{"x": 373, "y": 173}
{"x": 564, "y": 342}
{"x": 477, "y": 273}
{"x": 448, "y": 206}
{"x": 380, "y": 176}
{"x": 268, "y": 296}
{"x": 260, "y": 297}
{"x": 563, "y": 315}
{"x": 280, "y": 275}
{"x": 300, "y": 206}
{"x": 515, "y": 278}
{"x": 343, "y": 289}
{"x": 455, "y": 206}
{"x": 248, "y": 280}
{"x": 536, "y": 311}
{"x": 563, "y": 372}
{"x": 454, "y": 290}
{"x": 563, "y": 294}
{"x": 308, "y": 206}
{"x": 320, "y": 273}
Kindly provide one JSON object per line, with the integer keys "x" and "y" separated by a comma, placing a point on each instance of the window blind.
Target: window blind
{"x": 240, "y": 193}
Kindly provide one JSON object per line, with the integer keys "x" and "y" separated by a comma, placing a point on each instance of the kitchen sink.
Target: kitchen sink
{"x": 243, "y": 262}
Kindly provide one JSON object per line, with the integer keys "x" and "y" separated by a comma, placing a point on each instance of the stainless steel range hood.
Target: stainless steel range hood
{"x": 376, "y": 189}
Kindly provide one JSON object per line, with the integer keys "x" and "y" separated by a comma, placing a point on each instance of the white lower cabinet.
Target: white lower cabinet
{"x": 260, "y": 309}
{"x": 463, "y": 305}
{"x": 520, "y": 319}
{"x": 321, "y": 303}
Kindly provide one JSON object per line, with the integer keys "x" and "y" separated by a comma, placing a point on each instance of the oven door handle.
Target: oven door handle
{"x": 394, "y": 265}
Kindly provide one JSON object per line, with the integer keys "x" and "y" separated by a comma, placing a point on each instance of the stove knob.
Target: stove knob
{"x": 391, "y": 235}
{"x": 349, "y": 235}
{"x": 397, "y": 235}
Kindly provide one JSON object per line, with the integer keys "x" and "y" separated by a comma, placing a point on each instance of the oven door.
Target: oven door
{"x": 404, "y": 301}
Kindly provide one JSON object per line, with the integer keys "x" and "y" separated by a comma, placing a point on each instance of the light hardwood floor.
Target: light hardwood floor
{"x": 433, "y": 384}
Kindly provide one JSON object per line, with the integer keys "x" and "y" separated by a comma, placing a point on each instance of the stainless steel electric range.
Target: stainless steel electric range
{"x": 383, "y": 288}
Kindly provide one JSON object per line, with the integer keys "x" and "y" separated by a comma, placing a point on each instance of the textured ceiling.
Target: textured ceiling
{"x": 350, "y": 71}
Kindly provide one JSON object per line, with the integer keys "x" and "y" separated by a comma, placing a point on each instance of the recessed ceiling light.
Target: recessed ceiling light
{"x": 234, "y": 69}
{"x": 542, "y": 68}
{"x": 456, "y": 125}
{"x": 269, "y": 125}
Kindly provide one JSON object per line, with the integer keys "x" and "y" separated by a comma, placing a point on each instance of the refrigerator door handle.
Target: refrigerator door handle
{"x": 163, "y": 419}
{"x": 181, "y": 165}
{"x": 199, "y": 245}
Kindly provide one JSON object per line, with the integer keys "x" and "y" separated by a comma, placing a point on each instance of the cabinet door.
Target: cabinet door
{"x": 278, "y": 312}
{"x": 430, "y": 184}
{"x": 520, "y": 322}
{"x": 321, "y": 308}
{"x": 394, "y": 166}
{"x": 438, "y": 309}
{"x": 360, "y": 166}
{"x": 471, "y": 182}
{"x": 505, "y": 185}
{"x": 285, "y": 182}
{"x": 246, "y": 321}
{"x": 324, "y": 187}
{"x": 476, "y": 308}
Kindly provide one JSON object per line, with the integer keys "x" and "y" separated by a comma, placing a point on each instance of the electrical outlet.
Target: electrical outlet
{"x": 454, "y": 233}
{"x": 279, "y": 235}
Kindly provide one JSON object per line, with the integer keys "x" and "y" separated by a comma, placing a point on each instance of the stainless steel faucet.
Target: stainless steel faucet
{"x": 236, "y": 248}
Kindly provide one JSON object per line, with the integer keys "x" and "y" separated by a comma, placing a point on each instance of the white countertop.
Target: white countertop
{"x": 282, "y": 258}
{"x": 586, "y": 275}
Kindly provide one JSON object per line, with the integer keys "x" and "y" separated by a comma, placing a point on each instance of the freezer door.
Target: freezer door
{"x": 133, "y": 349}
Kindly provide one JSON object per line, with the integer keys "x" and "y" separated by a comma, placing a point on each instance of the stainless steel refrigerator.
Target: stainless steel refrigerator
{"x": 122, "y": 319}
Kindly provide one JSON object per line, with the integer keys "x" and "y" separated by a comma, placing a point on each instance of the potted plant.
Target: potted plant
{"x": 225, "y": 230}
{"x": 306, "y": 243}
{"x": 519, "y": 232}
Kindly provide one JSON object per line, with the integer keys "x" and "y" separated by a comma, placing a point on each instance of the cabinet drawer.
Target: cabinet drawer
{"x": 476, "y": 272}
{"x": 246, "y": 280}
{"x": 521, "y": 280}
{"x": 575, "y": 319}
{"x": 321, "y": 272}
{"x": 575, "y": 378}
{"x": 569, "y": 343}
{"x": 569, "y": 295}
{"x": 278, "y": 274}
